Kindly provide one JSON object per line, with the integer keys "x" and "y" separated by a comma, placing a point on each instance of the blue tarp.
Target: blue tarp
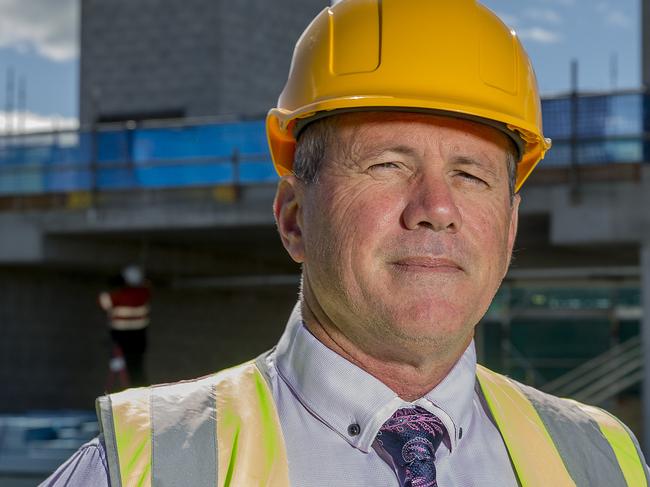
{"x": 610, "y": 128}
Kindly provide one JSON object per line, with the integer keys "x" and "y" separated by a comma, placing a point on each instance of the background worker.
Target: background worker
{"x": 402, "y": 136}
{"x": 127, "y": 307}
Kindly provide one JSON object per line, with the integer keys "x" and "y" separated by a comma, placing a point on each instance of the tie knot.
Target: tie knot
{"x": 411, "y": 437}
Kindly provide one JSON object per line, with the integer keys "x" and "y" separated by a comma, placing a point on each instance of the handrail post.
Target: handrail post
{"x": 574, "y": 169}
{"x": 93, "y": 162}
{"x": 236, "y": 159}
{"x": 131, "y": 126}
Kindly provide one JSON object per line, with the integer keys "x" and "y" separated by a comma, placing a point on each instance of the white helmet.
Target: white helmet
{"x": 133, "y": 275}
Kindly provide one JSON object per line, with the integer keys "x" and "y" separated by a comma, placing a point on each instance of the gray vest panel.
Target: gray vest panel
{"x": 586, "y": 453}
{"x": 184, "y": 434}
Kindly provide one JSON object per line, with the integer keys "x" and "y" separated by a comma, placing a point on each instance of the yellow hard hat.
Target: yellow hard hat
{"x": 454, "y": 57}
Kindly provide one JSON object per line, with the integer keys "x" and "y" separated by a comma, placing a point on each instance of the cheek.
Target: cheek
{"x": 487, "y": 228}
{"x": 371, "y": 219}
{"x": 351, "y": 230}
{"x": 359, "y": 217}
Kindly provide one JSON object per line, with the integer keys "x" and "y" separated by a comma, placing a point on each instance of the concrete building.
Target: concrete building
{"x": 170, "y": 59}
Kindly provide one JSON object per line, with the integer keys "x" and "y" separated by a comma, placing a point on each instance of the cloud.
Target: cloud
{"x": 612, "y": 16}
{"x": 49, "y": 27}
{"x": 539, "y": 34}
{"x": 547, "y": 15}
{"x": 24, "y": 122}
{"x": 618, "y": 19}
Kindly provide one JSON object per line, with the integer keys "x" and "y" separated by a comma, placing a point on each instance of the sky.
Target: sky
{"x": 604, "y": 36}
{"x": 39, "y": 43}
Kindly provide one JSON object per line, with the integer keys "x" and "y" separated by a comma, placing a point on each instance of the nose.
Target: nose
{"x": 431, "y": 205}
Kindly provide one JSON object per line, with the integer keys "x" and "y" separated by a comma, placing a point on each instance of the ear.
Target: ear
{"x": 287, "y": 208}
{"x": 512, "y": 230}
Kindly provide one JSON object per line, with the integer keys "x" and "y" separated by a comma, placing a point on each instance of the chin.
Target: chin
{"x": 432, "y": 320}
{"x": 429, "y": 308}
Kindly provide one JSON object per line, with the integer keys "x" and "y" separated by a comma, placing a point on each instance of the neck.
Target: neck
{"x": 410, "y": 375}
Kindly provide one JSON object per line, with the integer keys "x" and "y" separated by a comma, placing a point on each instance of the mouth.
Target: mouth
{"x": 427, "y": 264}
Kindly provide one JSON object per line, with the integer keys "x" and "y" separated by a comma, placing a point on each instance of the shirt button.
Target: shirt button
{"x": 354, "y": 429}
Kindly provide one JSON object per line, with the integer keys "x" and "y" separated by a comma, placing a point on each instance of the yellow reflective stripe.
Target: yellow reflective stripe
{"x": 251, "y": 448}
{"x": 131, "y": 324}
{"x": 619, "y": 439}
{"x": 132, "y": 420}
{"x": 130, "y": 311}
{"x": 531, "y": 448}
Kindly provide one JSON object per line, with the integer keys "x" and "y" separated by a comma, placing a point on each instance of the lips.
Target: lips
{"x": 425, "y": 263}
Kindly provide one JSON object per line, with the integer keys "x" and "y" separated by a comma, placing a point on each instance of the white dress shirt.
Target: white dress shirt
{"x": 320, "y": 394}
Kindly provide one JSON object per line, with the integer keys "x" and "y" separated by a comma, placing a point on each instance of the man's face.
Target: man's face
{"x": 408, "y": 231}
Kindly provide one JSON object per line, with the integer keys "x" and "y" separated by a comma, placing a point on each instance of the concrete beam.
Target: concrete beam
{"x": 142, "y": 211}
{"x": 175, "y": 253}
{"x": 608, "y": 212}
{"x": 21, "y": 239}
{"x": 30, "y": 236}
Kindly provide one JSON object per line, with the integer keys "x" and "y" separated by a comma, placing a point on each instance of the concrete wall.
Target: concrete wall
{"x": 54, "y": 347}
{"x": 52, "y": 352}
{"x": 196, "y": 57}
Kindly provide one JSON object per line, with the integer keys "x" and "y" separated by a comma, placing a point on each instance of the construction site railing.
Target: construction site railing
{"x": 610, "y": 128}
{"x": 603, "y": 377}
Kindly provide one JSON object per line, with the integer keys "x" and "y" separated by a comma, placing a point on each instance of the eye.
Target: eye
{"x": 384, "y": 165}
{"x": 471, "y": 178}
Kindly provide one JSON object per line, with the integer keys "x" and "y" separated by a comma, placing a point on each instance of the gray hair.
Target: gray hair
{"x": 311, "y": 147}
{"x": 312, "y": 143}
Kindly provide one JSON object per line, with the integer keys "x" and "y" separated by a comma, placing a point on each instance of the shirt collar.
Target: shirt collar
{"x": 341, "y": 394}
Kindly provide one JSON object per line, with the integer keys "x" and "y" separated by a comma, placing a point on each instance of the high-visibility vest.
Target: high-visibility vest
{"x": 223, "y": 430}
{"x": 127, "y": 307}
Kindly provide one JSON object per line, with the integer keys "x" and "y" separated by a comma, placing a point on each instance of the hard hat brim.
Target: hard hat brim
{"x": 284, "y": 125}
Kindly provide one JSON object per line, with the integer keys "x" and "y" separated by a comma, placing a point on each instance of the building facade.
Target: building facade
{"x": 157, "y": 59}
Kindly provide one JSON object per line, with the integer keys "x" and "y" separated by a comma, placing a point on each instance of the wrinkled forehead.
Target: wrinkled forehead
{"x": 355, "y": 130}
{"x": 351, "y": 119}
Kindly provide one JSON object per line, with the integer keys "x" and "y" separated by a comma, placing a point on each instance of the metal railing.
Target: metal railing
{"x": 144, "y": 157}
{"x": 602, "y": 377}
{"x": 587, "y": 130}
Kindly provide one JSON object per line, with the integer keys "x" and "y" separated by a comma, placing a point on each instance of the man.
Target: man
{"x": 402, "y": 136}
{"x": 127, "y": 312}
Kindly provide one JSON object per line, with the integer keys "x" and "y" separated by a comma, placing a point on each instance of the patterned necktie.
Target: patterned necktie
{"x": 411, "y": 437}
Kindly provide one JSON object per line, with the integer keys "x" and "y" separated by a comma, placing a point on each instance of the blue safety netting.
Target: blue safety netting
{"x": 193, "y": 155}
{"x": 608, "y": 129}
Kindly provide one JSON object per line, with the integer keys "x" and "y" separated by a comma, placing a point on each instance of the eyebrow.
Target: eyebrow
{"x": 370, "y": 153}
{"x": 470, "y": 161}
